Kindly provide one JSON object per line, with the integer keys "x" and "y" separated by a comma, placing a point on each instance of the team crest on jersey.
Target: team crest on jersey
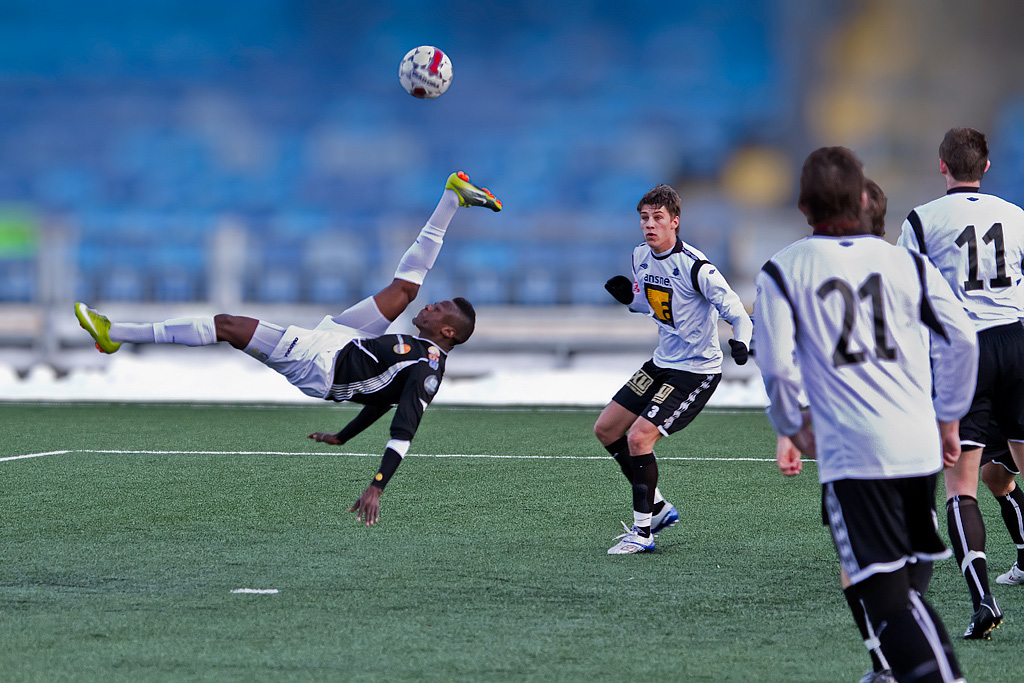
{"x": 675, "y": 271}
{"x": 660, "y": 300}
{"x": 401, "y": 349}
{"x": 433, "y": 357}
{"x": 430, "y": 384}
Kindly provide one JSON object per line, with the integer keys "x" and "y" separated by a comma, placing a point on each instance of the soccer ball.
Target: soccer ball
{"x": 425, "y": 72}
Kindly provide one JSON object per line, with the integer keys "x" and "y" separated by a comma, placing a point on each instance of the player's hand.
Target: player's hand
{"x": 739, "y": 351}
{"x": 787, "y": 455}
{"x": 367, "y": 508}
{"x": 324, "y": 437}
{"x": 949, "y": 433}
{"x": 621, "y": 288}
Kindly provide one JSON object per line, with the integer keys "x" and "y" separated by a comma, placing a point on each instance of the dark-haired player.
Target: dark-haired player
{"x": 685, "y": 294}
{"x": 859, "y": 325}
{"x": 347, "y": 357}
{"x": 977, "y": 241}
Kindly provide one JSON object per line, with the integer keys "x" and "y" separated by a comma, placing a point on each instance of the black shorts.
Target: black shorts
{"x": 996, "y": 451}
{"x": 670, "y": 399}
{"x": 999, "y": 395}
{"x": 879, "y": 525}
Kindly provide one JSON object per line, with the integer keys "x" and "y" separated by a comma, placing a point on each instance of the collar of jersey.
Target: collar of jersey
{"x": 674, "y": 250}
{"x": 962, "y": 188}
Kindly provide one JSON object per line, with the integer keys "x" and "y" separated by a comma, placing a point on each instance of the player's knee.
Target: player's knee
{"x": 998, "y": 480}
{"x": 228, "y": 328}
{"x": 885, "y": 594}
{"x": 642, "y": 440}
{"x": 603, "y": 431}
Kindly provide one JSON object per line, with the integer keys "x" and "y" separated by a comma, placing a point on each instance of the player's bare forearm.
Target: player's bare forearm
{"x": 367, "y": 507}
{"x": 324, "y": 437}
{"x": 949, "y": 432}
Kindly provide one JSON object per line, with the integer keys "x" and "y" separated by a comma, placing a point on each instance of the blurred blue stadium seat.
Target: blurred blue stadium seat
{"x": 169, "y": 124}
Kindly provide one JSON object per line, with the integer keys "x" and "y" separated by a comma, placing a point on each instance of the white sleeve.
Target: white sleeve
{"x": 716, "y": 290}
{"x": 954, "y": 347}
{"x": 776, "y": 347}
{"x": 908, "y": 238}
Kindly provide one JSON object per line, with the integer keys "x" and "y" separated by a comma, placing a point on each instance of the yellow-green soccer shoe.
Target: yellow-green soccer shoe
{"x": 470, "y": 194}
{"x": 98, "y": 327}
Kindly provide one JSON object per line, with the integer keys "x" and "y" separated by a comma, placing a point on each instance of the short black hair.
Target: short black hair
{"x": 831, "y": 184}
{"x": 965, "y": 152}
{"x": 464, "y": 324}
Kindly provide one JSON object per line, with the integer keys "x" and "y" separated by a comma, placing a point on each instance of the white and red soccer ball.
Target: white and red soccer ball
{"x": 425, "y": 72}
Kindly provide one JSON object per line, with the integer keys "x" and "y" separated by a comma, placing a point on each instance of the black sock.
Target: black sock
{"x": 645, "y": 471}
{"x": 1012, "y": 508}
{"x": 967, "y": 536}
{"x": 910, "y": 632}
{"x": 868, "y": 636}
{"x": 620, "y": 451}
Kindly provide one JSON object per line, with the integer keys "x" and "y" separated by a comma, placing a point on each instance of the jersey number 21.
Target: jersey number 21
{"x": 871, "y": 288}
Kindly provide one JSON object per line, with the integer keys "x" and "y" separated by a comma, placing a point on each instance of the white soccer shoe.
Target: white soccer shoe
{"x": 1014, "y": 577}
{"x": 664, "y": 519}
{"x": 632, "y": 542}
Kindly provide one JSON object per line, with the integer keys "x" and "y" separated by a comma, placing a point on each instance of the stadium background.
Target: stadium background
{"x": 260, "y": 157}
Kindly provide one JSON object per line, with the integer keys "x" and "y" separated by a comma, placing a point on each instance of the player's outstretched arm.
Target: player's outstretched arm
{"x": 366, "y": 417}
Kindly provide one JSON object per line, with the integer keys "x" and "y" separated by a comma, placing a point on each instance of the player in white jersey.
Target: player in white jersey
{"x": 859, "y": 324}
{"x": 685, "y": 294}
{"x": 977, "y": 241}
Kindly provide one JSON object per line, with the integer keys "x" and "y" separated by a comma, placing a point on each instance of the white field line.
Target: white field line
{"x": 377, "y": 455}
{"x": 33, "y": 455}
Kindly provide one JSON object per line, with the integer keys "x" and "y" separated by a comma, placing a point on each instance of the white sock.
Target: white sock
{"x": 657, "y": 495}
{"x": 136, "y": 333}
{"x": 198, "y": 331}
{"x": 421, "y": 255}
{"x": 642, "y": 519}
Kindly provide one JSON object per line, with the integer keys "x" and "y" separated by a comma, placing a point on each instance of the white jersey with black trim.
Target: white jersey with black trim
{"x": 977, "y": 241}
{"x": 859, "y": 324}
{"x": 685, "y": 294}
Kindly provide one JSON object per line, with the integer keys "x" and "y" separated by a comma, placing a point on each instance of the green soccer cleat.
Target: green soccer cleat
{"x": 470, "y": 194}
{"x": 98, "y": 326}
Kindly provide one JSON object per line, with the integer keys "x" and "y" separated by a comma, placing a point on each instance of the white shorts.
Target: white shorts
{"x": 306, "y": 357}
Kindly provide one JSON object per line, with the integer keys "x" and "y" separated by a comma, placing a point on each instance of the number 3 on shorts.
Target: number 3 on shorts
{"x": 652, "y": 412}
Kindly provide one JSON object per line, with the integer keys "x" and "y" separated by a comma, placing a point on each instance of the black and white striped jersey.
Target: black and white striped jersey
{"x": 685, "y": 294}
{"x": 977, "y": 241}
{"x": 859, "y": 324}
{"x": 391, "y": 370}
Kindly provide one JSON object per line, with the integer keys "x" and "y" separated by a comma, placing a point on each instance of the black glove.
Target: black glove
{"x": 739, "y": 351}
{"x": 621, "y": 288}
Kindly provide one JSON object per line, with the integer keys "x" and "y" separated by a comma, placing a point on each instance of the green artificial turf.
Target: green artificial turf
{"x": 119, "y": 558}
